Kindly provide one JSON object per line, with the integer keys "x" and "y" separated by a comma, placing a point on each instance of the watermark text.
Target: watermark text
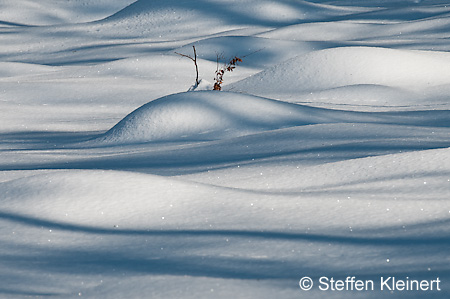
{"x": 384, "y": 283}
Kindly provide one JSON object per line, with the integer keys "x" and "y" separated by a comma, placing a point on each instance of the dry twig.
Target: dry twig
{"x": 229, "y": 67}
{"x": 194, "y": 59}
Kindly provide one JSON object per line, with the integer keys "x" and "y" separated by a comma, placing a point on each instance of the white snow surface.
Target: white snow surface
{"x": 327, "y": 154}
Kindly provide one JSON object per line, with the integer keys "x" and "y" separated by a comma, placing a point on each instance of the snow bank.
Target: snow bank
{"x": 275, "y": 12}
{"x": 94, "y": 197}
{"x": 47, "y": 12}
{"x": 12, "y": 69}
{"x": 380, "y": 28}
{"x": 212, "y": 115}
{"x": 175, "y": 19}
{"x": 207, "y": 115}
{"x": 347, "y": 66}
{"x": 418, "y": 174}
{"x": 273, "y": 192}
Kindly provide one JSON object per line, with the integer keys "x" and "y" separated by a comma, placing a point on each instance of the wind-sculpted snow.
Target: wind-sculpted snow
{"x": 349, "y": 66}
{"x": 210, "y": 115}
{"x": 78, "y": 197}
{"x": 45, "y": 12}
{"x": 246, "y": 11}
{"x": 173, "y": 19}
{"x": 326, "y": 155}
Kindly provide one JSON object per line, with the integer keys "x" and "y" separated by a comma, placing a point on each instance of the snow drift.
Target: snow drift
{"x": 45, "y": 12}
{"x": 222, "y": 194}
{"x": 212, "y": 115}
{"x": 207, "y": 115}
{"x": 348, "y": 66}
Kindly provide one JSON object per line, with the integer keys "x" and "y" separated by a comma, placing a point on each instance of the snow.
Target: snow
{"x": 45, "y": 12}
{"x": 326, "y": 153}
{"x": 347, "y": 67}
{"x": 208, "y": 115}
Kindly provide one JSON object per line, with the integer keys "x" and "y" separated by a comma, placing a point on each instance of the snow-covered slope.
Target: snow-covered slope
{"x": 349, "y": 67}
{"x": 327, "y": 153}
{"x": 45, "y": 12}
{"x": 209, "y": 115}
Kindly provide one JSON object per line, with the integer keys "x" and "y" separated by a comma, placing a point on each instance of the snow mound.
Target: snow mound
{"x": 93, "y": 197}
{"x": 169, "y": 19}
{"x": 209, "y": 115}
{"x": 347, "y": 66}
{"x": 12, "y": 69}
{"x": 408, "y": 170}
{"x": 213, "y": 115}
{"x": 279, "y": 11}
{"x": 49, "y": 12}
{"x": 377, "y": 25}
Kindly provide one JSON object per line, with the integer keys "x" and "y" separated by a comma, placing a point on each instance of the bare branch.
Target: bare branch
{"x": 194, "y": 59}
{"x": 187, "y": 56}
{"x": 196, "y": 66}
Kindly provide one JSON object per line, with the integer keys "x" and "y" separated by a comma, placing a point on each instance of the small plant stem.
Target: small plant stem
{"x": 194, "y": 59}
{"x": 196, "y": 66}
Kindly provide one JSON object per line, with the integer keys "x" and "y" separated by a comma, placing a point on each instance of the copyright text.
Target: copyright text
{"x": 389, "y": 283}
